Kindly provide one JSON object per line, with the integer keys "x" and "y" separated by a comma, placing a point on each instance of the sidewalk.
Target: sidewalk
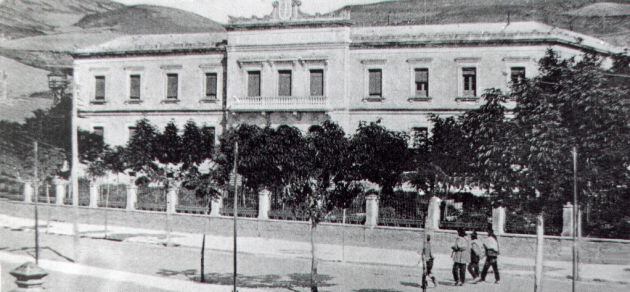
{"x": 327, "y": 252}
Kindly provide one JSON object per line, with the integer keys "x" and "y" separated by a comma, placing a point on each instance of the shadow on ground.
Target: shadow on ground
{"x": 255, "y": 281}
{"x": 376, "y": 290}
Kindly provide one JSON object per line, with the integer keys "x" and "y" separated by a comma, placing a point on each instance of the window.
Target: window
{"x": 210, "y": 133}
{"x": 375, "y": 82}
{"x": 100, "y": 131}
{"x": 134, "y": 87}
{"x": 517, "y": 74}
{"x": 317, "y": 82}
{"x": 99, "y": 92}
{"x": 211, "y": 85}
{"x": 419, "y": 137}
{"x": 422, "y": 82}
{"x": 284, "y": 83}
{"x": 469, "y": 75}
{"x": 132, "y": 132}
{"x": 172, "y": 82}
{"x": 253, "y": 83}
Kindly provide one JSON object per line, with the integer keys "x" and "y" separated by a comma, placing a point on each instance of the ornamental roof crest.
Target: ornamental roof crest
{"x": 288, "y": 13}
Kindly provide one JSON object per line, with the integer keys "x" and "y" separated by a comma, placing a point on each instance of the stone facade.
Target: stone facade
{"x": 307, "y": 69}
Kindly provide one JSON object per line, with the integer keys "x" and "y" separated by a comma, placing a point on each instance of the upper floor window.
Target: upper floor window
{"x": 100, "y": 131}
{"x": 419, "y": 137}
{"x": 211, "y": 85}
{"x": 517, "y": 74}
{"x": 469, "y": 75}
{"x": 317, "y": 82}
{"x": 134, "y": 87}
{"x": 172, "y": 84}
{"x": 284, "y": 83}
{"x": 375, "y": 80}
{"x": 132, "y": 132}
{"x": 99, "y": 88}
{"x": 253, "y": 83}
{"x": 422, "y": 82}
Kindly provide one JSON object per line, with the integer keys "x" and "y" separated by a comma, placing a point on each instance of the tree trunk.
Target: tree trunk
{"x": 313, "y": 259}
{"x": 539, "y": 253}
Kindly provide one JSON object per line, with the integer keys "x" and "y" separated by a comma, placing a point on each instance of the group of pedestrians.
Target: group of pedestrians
{"x": 466, "y": 251}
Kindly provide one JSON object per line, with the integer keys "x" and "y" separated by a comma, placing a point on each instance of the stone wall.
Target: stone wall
{"x": 556, "y": 248}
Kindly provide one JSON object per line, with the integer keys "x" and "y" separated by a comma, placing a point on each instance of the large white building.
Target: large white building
{"x": 297, "y": 69}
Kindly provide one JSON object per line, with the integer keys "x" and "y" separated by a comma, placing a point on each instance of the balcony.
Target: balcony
{"x": 279, "y": 103}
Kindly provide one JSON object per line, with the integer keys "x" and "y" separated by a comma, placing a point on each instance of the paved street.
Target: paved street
{"x": 127, "y": 266}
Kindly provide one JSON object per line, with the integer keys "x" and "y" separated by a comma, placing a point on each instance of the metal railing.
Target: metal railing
{"x": 259, "y": 103}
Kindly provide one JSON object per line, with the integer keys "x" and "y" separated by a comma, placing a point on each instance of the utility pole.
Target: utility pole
{"x": 235, "y": 174}
{"x": 36, "y": 187}
{"x": 576, "y": 222}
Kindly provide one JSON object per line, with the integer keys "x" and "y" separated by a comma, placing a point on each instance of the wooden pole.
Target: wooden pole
{"x": 36, "y": 183}
{"x": 576, "y": 223}
{"x": 235, "y": 173}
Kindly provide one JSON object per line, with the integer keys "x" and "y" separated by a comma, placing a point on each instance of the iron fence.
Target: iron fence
{"x": 11, "y": 190}
{"x": 522, "y": 222}
{"x": 281, "y": 211}
{"x": 84, "y": 193}
{"x": 247, "y": 204}
{"x": 151, "y": 198}
{"x": 112, "y": 196}
{"x": 354, "y": 214}
{"x": 402, "y": 209}
{"x": 190, "y": 203}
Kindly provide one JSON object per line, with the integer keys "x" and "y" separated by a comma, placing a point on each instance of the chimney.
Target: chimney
{"x": 274, "y": 13}
{"x": 296, "y": 9}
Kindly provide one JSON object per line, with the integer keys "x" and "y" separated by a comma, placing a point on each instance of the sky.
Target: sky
{"x": 218, "y": 10}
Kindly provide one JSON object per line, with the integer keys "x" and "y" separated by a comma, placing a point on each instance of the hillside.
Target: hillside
{"x": 21, "y": 18}
{"x": 147, "y": 19}
{"x": 24, "y": 83}
{"x": 609, "y": 20}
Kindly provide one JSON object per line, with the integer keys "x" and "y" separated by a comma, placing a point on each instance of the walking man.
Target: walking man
{"x": 491, "y": 245}
{"x": 427, "y": 257}
{"x": 475, "y": 255}
{"x": 461, "y": 257}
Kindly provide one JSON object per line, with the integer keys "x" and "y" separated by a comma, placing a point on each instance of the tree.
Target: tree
{"x": 325, "y": 180}
{"x": 382, "y": 154}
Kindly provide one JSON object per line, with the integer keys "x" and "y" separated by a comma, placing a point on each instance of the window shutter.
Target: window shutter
{"x": 375, "y": 77}
{"x": 172, "y": 83}
{"x": 211, "y": 85}
{"x": 284, "y": 83}
{"x": 422, "y": 75}
{"x": 134, "y": 87}
{"x": 317, "y": 82}
{"x": 253, "y": 83}
{"x": 99, "y": 93}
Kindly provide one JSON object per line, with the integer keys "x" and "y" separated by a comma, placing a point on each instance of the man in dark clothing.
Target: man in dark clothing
{"x": 427, "y": 256}
{"x": 475, "y": 255}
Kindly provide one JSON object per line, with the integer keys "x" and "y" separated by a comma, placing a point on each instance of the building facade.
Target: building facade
{"x": 299, "y": 69}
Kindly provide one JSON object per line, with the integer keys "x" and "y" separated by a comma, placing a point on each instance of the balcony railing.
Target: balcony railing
{"x": 287, "y": 103}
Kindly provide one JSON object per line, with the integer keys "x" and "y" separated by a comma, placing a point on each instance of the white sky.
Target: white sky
{"x": 218, "y": 10}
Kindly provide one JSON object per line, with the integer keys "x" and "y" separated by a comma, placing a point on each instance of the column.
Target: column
{"x": 498, "y": 220}
{"x": 371, "y": 208}
{"x": 216, "y": 205}
{"x": 433, "y": 214}
{"x": 94, "y": 194}
{"x": 29, "y": 277}
{"x": 132, "y": 196}
{"x": 28, "y": 192}
{"x": 264, "y": 204}
{"x": 567, "y": 220}
{"x": 60, "y": 190}
{"x": 172, "y": 199}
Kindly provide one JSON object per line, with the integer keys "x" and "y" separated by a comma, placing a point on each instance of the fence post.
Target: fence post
{"x": 567, "y": 220}
{"x": 433, "y": 214}
{"x": 216, "y": 205}
{"x": 132, "y": 196}
{"x": 172, "y": 199}
{"x": 264, "y": 204}
{"x": 498, "y": 220}
{"x": 28, "y": 191}
{"x": 94, "y": 194}
{"x": 29, "y": 277}
{"x": 371, "y": 209}
{"x": 60, "y": 190}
